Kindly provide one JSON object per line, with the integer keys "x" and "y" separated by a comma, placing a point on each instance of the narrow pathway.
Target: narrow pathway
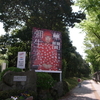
{"x": 90, "y": 90}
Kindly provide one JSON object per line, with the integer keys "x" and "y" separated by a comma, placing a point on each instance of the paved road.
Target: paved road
{"x": 90, "y": 90}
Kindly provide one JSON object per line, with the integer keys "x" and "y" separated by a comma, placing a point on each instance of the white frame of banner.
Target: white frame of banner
{"x": 60, "y": 72}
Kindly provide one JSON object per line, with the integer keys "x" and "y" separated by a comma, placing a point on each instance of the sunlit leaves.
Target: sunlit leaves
{"x": 91, "y": 26}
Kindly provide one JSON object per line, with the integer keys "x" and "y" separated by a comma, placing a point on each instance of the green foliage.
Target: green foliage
{"x": 9, "y": 99}
{"x": 15, "y": 69}
{"x": 91, "y": 27}
{"x": 64, "y": 65}
{"x": 85, "y": 78}
{"x": 72, "y": 82}
{"x": 72, "y": 62}
{"x": 38, "y": 13}
{"x": 44, "y": 80}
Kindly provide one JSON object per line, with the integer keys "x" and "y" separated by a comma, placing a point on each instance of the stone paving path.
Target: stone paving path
{"x": 90, "y": 90}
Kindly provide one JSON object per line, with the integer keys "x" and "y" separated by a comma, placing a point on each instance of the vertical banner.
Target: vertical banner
{"x": 21, "y": 60}
{"x": 46, "y": 50}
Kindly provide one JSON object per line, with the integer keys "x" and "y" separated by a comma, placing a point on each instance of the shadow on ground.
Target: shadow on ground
{"x": 82, "y": 90}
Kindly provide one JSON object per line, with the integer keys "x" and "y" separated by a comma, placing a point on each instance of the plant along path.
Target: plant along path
{"x": 90, "y": 90}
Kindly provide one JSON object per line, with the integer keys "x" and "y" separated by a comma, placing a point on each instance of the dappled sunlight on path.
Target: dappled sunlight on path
{"x": 89, "y": 91}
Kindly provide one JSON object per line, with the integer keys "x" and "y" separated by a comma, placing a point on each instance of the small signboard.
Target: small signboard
{"x": 19, "y": 78}
{"x": 3, "y": 66}
{"x": 21, "y": 60}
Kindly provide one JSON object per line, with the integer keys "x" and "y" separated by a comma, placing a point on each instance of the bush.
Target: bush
{"x": 44, "y": 80}
{"x": 15, "y": 69}
{"x": 72, "y": 82}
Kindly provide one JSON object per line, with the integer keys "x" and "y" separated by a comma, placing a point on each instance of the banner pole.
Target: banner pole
{"x": 60, "y": 76}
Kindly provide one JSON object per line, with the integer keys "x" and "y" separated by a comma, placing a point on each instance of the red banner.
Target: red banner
{"x": 46, "y": 50}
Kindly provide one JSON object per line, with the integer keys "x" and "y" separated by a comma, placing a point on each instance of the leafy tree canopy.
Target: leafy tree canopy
{"x": 91, "y": 26}
{"x": 43, "y": 13}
